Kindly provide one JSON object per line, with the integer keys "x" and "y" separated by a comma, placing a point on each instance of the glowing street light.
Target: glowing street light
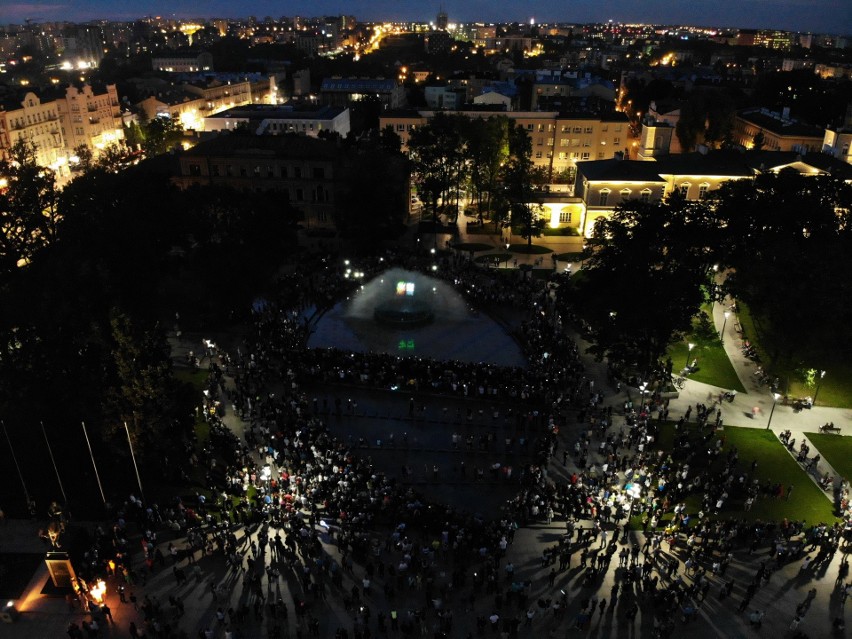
{"x": 688, "y": 353}
{"x": 819, "y": 383}
{"x": 724, "y": 324}
{"x": 775, "y": 398}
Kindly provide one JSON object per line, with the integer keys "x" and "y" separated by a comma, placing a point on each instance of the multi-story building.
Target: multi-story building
{"x": 602, "y": 185}
{"x": 90, "y": 119}
{"x": 187, "y": 63}
{"x": 559, "y": 141}
{"x": 303, "y": 170}
{"x": 77, "y": 117}
{"x": 37, "y": 122}
{"x": 780, "y": 131}
{"x": 342, "y": 91}
{"x": 837, "y": 143}
{"x": 191, "y": 102}
{"x": 308, "y": 120}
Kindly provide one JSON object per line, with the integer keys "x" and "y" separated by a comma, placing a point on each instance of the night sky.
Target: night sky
{"x": 822, "y": 16}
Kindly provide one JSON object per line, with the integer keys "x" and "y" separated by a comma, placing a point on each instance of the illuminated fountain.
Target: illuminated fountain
{"x": 404, "y": 312}
{"x": 404, "y": 309}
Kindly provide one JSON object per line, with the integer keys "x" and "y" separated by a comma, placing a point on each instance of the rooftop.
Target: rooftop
{"x": 281, "y": 112}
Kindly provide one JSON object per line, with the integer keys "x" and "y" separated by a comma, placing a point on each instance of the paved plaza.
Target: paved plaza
{"x": 448, "y": 450}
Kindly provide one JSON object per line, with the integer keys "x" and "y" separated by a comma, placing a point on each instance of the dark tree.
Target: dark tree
{"x": 643, "y": 283}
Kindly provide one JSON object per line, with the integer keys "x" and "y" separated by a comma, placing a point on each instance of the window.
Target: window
{"x": 577, "y": 129}
{"x": 300, "y": 195}
{"x": 229, "y": 170}
{"x": 529, "y": 127}
{"x": 587, "y": 143}
{"x": 538, "y": 155}
{"x": 618, "y": 128}
{"x": 588, "y": 129}
{"x": 585, "y": 155}
{"x": 566, "y": 129}
{"x": 549, "y": 154}
{"x": 564, "y": 142}
{"x": 400, "y": 127}
{"x": 684, "y": 189}
{"x": 270, "y": 172}
{"x": 297, "y": 171}
{"x": 702, "y": 190}
{"x": 564, "y": 216}
{"x": 257, "y": 171}
{"x": 562, "y": 155}
{"x": 322, "y": 216}
{"x": 540, "y": 128}
{"x": 214, "y": 170}
{"x": 625, "y": 194}
{"x": 195, "y": 170}
{"x": 243, "y": 171}
{"x": 605, "y": 128}
{"x": 604, "y": 196}
{"x": 645, "y": 195}
{"x": 616, "y": 140}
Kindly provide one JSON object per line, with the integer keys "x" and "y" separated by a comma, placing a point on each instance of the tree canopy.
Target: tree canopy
{"x": 642, "y": 284}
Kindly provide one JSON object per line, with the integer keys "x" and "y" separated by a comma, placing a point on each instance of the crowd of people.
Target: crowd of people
{"x": 298, "y": 516}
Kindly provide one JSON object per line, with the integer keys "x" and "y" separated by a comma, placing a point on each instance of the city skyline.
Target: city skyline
{"x": 819, "y": 16}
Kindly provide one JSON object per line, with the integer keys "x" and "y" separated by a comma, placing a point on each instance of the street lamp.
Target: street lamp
{"x": 775, "y": 398}
{"x": 819, "y": 383}
{"x": 507, "y": 255}
{"x": 642, "y": 388}
{"x": 688, "y": 353}
{"x": 724, "y": 324}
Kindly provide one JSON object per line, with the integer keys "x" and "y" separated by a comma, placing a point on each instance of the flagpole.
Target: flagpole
{"x": 14, "y": 457}
{"x": 94, "y": 465}
{"x": 53, "y": 461}
{"x": 135, "y": 467}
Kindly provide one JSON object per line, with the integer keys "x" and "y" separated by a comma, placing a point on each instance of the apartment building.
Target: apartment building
{"x": 559, "y": 140}
{"x": 271, "y": 119}
{"x": 37, "y": 122}
{"x": 191, "y": 102}
{"x": 303, "y": 170}
{"x": 90, "y": 119}
{"x": 780, "y": 131}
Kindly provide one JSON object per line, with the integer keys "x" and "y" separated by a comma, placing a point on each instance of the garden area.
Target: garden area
{"x": 836, "y": 450}
{"x": 774, "y": 465}
{"x": 714, "y": 366}
{"x": 801, "y": 380}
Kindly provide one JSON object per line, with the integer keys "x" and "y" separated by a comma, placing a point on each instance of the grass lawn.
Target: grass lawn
{"x": 472, "y": 246}
{"x": 836, "y": 450}
{"x": 774, "y": 464}
{"x": 714, "y": 367}
{"x": 530, "y": 249}
{"x": 195, "y": 378}
{"x": 836, "y": 387}
{"x": 577, "y": 256}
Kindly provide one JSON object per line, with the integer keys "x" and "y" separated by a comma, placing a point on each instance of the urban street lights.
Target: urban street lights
{"x": 690, "y": 346}
{"x": 642, "y": 388}
{"x": 775, "y": 398}
{"x": 819, "y": 383}
{"x": 724, "y": 324}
